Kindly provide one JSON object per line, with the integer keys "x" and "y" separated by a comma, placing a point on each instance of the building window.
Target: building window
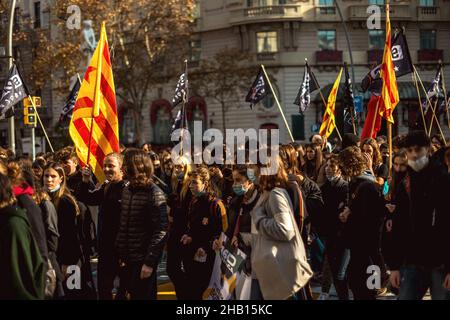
{"x": 269, "y": 101}
{"x": 37, "y": 14}
{"x": 426, "y": 3}
{"x": 328, "y": 3}
{"x": 267, "y": 42}
{"x": 376, "y": 2}
{"x": 427, "y": 39}
{"x": 376, "y": 39}
{"x": 327, "y": 39}
{"x": 195, "y": 50}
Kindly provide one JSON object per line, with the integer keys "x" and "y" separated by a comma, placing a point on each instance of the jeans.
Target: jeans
{"x": 415, "y": 280}
{"x": 139, "y": 289}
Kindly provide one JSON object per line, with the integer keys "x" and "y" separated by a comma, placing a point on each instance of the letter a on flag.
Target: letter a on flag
{"x": 94, "y": 127}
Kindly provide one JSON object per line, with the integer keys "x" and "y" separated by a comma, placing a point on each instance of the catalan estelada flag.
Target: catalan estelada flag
{"x": 329, "y": 122}
{"x": 389, "y": 90}
{"x": 94, "y": 127}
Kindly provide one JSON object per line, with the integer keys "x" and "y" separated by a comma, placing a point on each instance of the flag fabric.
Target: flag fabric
{"x": 96, "y": 106}
{"x": 402, "y": 64}
{"x": 329, "y": 121}
{"x": 373, "y": 118}
{"x": 67, "y": 110}
{"x": 349, "y": 107}
{"x": 180, "y": 91}
{"x": 308, "y": 86}
{"x": 434, "y": 90}
{"x": 13, "y": 92}
{"x": 389, "y": 89}
{"x": 259, "y": 89}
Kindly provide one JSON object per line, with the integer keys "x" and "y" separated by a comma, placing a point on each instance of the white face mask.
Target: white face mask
{"x": 419, "y": 164}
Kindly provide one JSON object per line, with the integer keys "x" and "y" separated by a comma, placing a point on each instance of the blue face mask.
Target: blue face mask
{"x": 239, "y": 189}
{"x": 251, "y": 175}
{"x": 180, "y": 176}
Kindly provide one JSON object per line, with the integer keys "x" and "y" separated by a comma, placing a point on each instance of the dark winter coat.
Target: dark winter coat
{"x": 143, "y": 225}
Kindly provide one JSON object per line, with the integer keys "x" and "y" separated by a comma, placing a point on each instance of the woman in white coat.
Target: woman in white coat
{"x": 278, "y": 258}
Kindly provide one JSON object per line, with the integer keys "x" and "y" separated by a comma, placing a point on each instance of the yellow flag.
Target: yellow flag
{"x": 329, "y": 122}
{"x": 94, "y": 127}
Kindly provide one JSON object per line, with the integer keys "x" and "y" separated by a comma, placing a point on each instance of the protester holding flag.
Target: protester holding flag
{"x": 108, "y": 197}
{"x": 420, "y": 225}
{"x": 207, "y": 219}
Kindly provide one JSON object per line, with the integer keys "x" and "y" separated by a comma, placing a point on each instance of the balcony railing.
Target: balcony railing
{"x": 396, "y": 11}
{"x": 325, "y": 13}
{"x": 430, "y": 55}
{"x": 286, "y": 11}
{"x": 428, "y": 13}
{"x": 329, "y": 56}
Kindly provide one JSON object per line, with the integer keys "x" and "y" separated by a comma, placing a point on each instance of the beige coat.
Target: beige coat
{"x": 278, "y": 254}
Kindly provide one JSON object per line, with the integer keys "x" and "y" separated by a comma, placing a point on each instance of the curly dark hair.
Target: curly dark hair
{"x": 6, "y": 193}
{"x": 351, "y": 162}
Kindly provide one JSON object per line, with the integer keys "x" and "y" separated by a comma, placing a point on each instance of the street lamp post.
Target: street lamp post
{"x": 9, "y": 54}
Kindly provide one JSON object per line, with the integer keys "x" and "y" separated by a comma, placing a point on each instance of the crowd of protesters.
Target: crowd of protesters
{"x": 331, "y": 212}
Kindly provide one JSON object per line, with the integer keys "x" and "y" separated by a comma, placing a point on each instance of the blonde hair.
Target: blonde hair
{"x": 187, "y": 169}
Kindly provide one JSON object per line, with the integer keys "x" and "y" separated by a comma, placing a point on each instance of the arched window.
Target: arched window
{"x": 161, "y": 121}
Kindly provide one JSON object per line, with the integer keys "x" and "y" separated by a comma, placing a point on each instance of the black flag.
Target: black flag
{"x": 434, "y": 90}
{"x": 67, "y": 110}
{"x": 308, "y": 86}
{"x": 349, "y": 107}
{"x": 402, "y": 64}
{"x": 180, "y": 91}
{"x": 259, "y": 89}
{"x": 13, "y": 92}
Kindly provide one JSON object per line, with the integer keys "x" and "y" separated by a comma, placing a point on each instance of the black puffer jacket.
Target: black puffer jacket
{"x": 143, "y": 225}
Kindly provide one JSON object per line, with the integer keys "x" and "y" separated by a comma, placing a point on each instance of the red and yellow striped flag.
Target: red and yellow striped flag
{"x": 94, "y": 127}
{"x": 329, "y": 122}
{"x": 389, "y": 90}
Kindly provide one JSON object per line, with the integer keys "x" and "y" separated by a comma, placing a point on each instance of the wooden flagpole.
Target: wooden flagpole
{"x": 431, "y": 106}
{"x": 420, "y": 103}
{"x": 278, "y": 103}
{"x": 445, "y": 97}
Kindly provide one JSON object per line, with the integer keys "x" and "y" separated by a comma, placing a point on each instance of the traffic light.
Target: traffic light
{"x": 29, "y": 116}
{"x": 36, "y": 100}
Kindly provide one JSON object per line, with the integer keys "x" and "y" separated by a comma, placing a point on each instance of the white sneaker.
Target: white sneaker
{"x": 324, "y": 296}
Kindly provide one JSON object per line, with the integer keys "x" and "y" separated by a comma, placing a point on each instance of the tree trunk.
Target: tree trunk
{"x": 223, "y": 117}
{"x": 138, "y": 127}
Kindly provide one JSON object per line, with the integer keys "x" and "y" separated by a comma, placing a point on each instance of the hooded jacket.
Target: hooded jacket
{"x": 22, "y": 267}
